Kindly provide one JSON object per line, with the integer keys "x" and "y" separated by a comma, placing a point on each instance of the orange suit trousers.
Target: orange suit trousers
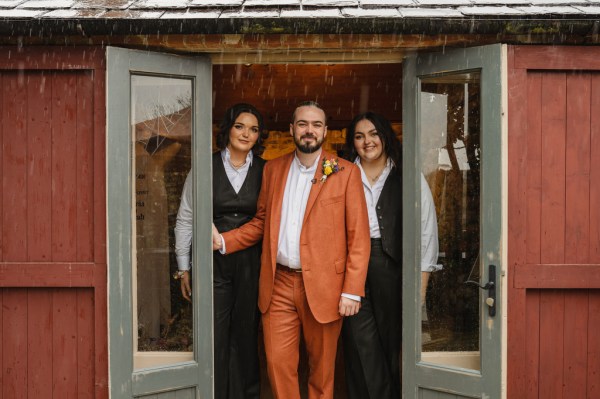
{"x": 287, "y": 316}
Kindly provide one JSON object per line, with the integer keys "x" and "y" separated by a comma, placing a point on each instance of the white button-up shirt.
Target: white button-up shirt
{"x": 372, "y": 194}
{"x": 295, "y": 197}
{"x": 429, "y": 228}
{"x": 236, "y": 176}
{"x": 183, "y": 225}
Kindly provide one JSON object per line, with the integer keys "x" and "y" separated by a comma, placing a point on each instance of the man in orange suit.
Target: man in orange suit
{"x": 313, "y": 220}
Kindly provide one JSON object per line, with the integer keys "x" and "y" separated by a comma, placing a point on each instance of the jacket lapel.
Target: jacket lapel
{"x": 316, "y": 187}
{"x": 279, "y": 181}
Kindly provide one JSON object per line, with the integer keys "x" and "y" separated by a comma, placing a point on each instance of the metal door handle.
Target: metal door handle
{"x": 490, "y": 286}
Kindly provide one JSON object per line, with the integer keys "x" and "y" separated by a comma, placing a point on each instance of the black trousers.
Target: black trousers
{"x": 236, "y": 317}
{"x": 372, "y": 338}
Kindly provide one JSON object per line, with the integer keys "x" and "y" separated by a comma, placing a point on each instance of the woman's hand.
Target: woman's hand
{"x": 186, "y": 289}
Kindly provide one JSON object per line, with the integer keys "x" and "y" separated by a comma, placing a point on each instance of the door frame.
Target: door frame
{"x": 491, "y": 60}
{"x": 125, "y": 382}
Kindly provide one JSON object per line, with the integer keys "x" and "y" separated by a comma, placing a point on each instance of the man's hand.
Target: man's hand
{"x": 216, "y": 239}
{"x": 186, "y": 289}
{"x": 348, "y": 307}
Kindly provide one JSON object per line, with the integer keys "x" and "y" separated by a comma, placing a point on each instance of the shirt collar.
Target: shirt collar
{"x": 226, "y": 155}
{"x": 389, "y": 163}
{"x": 385, "y": 172}
{"x": 303, "y": 168}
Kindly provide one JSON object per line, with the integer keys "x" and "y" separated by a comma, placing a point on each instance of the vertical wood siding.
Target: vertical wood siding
{"x": 52, "y": 224}
{"x": 554, "y": 223}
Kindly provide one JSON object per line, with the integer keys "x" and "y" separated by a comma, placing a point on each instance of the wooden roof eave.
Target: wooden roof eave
{"x": 294, "y": 35}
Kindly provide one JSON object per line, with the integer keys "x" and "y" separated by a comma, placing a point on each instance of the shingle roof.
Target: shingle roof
{"x": 295, "y": 9}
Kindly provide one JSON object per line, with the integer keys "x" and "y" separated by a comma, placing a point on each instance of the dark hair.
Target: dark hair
{"x": 229, "y": 118}
{"x": 391, "y": 144}
{"x": 308, "y": 104}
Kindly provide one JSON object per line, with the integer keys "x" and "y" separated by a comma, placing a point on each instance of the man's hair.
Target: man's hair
{"x": 308, "y": 104}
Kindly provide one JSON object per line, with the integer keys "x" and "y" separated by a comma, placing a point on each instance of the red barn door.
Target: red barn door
{"x": 52, "y": 224}
{"x": 554, "y": 222}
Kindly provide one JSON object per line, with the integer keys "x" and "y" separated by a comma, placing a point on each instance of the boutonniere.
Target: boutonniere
{"x": 330, "y": 166}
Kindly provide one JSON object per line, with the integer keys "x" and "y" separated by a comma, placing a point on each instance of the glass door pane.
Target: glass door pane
{"x": 161, "y": 133}
{"x": 450, "y": 114}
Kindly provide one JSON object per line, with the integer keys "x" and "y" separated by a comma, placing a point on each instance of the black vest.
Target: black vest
{"x": 231, "y": 209}
{"x": 389, "y": 215}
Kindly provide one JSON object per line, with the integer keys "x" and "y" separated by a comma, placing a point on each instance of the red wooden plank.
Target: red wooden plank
{"x": 517, "y": 165}
{"x": 47, "y": 274}
{"x": 2, "y": 86}
{"x": 101, "y": 332}
{"x": 85, "y": 343}
{"x": 14, "y": 158}
{"x": 552, "y": 324}
{"x": 14, "y": 343}
{"x": 557, "y": 276}
{"x": 533, "y": 168}
{"x": 595, "y": 171}
{"x": 39, "y": 355}
{"x": 593, "y": 346}
{"x": 576, "y": 337}
{"x": 49, "y": 58}
{"x": 64, "y": 167}
{"x": 100, "y": 292}
{"x": 557, "y": 57}
{"x": 85, "y": 158}
{"x": 532, "y": 345}
{"x": 577, "y": 207}
{"x": 39, "y": 181}
{"x": 64, "y": 344}
{"x": 553, "y": 168}
{"x": 99, "y": 167}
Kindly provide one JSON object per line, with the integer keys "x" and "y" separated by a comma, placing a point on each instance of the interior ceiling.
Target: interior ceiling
{"x": 343, "y": 90}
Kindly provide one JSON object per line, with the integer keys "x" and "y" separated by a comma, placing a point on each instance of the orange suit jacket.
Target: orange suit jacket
{"x": 334, "y": 241}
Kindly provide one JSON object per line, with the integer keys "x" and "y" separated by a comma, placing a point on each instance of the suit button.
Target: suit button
{"x": 381, "y": 228}
{"x": 380, "y": 217}
{"x": 378, "y": 206}
{"x": 235, "y": 214}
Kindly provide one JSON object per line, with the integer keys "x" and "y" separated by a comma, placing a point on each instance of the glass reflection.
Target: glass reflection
{"x": 451, "y": 159}
{"x": 161, "y": 126}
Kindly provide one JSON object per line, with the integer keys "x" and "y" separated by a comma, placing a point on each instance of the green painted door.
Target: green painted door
{"x": 452, "y": 139}
{"x": 158, "y": 131}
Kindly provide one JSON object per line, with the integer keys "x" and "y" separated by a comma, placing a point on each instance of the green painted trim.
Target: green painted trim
{"x": 202, "y": 238}
{"x": 124, "y": 382}
{"x": 462, "y": 382}
{"x": 165, "y": 379}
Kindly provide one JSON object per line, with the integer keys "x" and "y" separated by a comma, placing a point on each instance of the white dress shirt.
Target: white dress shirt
{"x": 183, "y": 225}
{"x": 429, "y": 228}
{"x": 295, "y": 197}
{"x": 372, "y": 194}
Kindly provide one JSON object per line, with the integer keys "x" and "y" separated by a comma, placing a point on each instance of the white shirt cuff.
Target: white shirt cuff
{"x": 425, "y": 267}
{"x": 183, "y": 262}
{"x": 350, "y": 296}
{"x": 223, "y": 250}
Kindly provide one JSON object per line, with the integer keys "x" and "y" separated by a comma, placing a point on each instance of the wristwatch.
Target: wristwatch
{"x": 178, "y": 275}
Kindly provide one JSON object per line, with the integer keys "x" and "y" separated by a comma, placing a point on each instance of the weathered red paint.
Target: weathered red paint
{"x": 553, "y": 222}
{"x": 53, "y": 335}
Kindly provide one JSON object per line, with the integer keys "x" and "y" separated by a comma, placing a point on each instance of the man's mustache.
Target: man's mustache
{"x": 308, "y": 136}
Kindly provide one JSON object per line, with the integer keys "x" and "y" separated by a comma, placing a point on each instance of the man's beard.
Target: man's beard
{"x": 308, "y": 148}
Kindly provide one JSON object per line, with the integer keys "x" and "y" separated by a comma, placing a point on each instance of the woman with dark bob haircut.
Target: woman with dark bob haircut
{"x": 237, "y": 177}
{"x": 372, "y": 338}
